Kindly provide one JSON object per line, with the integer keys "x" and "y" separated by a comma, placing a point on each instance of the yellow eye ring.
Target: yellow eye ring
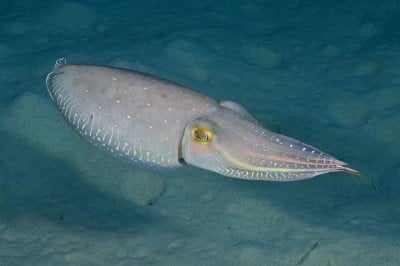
{"x": 201, "y": 135}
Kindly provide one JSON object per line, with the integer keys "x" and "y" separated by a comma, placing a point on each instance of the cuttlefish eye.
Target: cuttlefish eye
{"x": 201, "y": 135}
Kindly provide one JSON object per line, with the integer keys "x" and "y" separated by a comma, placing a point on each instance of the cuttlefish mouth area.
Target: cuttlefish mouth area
{"x": 248, "y": 151}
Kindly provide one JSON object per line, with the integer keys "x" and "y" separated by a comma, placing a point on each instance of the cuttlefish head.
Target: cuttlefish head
{"x": 234, "y": 144}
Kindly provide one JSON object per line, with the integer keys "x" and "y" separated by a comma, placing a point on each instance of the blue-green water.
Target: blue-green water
{"x": 324, "y": 72}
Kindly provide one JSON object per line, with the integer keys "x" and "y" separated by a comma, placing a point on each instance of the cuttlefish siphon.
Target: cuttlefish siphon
{"x": 160, "y": 124}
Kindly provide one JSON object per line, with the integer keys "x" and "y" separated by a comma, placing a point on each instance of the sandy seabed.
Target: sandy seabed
{"x": 325, "y": 73}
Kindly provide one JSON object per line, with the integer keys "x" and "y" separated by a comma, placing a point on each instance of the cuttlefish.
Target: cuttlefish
{"x": 157, "y": 123}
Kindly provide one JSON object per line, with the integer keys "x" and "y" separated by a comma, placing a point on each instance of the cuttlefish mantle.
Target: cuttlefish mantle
{"x": 161, "y": 124}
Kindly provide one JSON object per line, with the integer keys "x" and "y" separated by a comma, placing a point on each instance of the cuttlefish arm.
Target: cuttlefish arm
{"x": 154, "y": 122}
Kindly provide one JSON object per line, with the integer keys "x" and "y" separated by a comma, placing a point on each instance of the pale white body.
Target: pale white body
{"x": 158, "y": 123}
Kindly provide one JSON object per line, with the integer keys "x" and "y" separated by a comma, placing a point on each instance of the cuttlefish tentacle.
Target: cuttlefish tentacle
{"x": 157, "y": 123}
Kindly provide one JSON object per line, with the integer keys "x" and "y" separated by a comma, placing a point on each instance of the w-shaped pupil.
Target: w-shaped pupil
{"x": 201, "y": 135}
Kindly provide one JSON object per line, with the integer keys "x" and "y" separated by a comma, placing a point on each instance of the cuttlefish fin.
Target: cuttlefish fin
{"x": 240, "y": 110}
